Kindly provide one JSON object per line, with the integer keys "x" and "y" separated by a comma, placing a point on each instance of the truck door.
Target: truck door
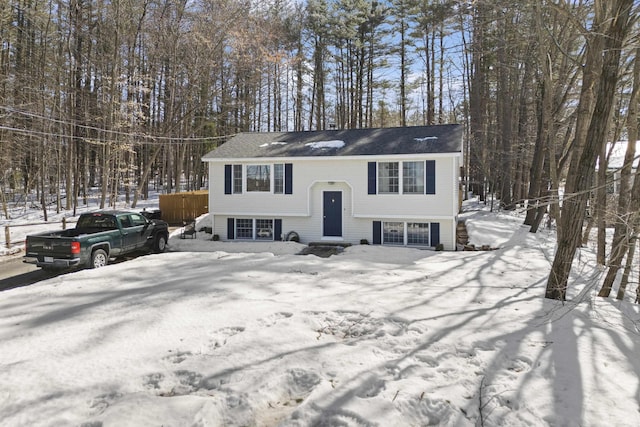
{"x": 142, "y": 229}
{"x": 130, "y": 234}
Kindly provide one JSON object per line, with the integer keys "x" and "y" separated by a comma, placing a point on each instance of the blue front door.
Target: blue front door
{"x": 332, "y": 214}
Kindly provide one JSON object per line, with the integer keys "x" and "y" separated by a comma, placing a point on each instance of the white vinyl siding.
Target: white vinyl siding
{"x": 302, "y": 210}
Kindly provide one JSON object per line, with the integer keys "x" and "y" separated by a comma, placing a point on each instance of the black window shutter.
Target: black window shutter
{"x": 430, "y": 177}
{"x": 435, "y": 233}
{"x": 288, "y": 178}
{"x": 277, "y": 229}
{"x": 371, "y": 177}
{"x": 227, "y": 179}
{"x": 377, "y": 232}
{"x": 231, "y": 228}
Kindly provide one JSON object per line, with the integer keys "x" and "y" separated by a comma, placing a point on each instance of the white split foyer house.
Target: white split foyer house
{"x": 388, "y": 186}
{"x": 616, "y": 153}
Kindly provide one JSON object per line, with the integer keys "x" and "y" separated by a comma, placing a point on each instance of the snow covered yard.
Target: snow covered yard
{"x": 250, "y": 334}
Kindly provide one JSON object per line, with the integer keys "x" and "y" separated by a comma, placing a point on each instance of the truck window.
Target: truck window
{"x": 137, "y": 220}
{"x": 125, "y": 221}
{"x": 97, "y": 221}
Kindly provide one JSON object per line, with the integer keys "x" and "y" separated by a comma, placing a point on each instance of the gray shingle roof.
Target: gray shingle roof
{"x": 351, "y": 142}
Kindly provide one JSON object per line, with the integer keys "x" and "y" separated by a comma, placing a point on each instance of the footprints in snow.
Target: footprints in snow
{"x": 273, "y": 319}
{"x": 220, "y": 337}
{"x": 413, "y": 358}
{"x": 182, "y": 382}
{"x": 353, "y": 324}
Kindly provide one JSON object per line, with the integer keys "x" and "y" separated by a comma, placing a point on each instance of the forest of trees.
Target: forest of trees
{"x": 122, "y": 97}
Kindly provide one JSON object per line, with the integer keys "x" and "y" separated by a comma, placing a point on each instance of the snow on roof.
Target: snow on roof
{"x": 439, "y": 139}
{"x": 273, "y": 143}
{"x": 320, "y": 145}
{"x": 426, "y": 138}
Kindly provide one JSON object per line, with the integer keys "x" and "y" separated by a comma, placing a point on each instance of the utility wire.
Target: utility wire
{"x": 155, "y": 138}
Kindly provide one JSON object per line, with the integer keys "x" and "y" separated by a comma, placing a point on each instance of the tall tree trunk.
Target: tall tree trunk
{"x": 627, "y": 200}
{"x": 624, "y": 281}
{"x": 601, "y": 206}
{"x": 581, "y": 169}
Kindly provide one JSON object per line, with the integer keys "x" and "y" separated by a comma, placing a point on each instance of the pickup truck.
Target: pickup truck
{"x": 97, "y": 237}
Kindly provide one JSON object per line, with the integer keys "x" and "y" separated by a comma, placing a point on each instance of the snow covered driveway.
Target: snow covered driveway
{"x": 371, "y": 337}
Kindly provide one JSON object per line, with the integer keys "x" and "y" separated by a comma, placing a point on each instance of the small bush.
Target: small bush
{"x": 439, "y": 247}
{"x": 215, "y": 238}
{"x": 364, "y": 242}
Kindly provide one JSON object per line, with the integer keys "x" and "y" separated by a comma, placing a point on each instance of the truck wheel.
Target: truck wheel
{"x": 99, "y": 258}
{"x": 160, "y": 243}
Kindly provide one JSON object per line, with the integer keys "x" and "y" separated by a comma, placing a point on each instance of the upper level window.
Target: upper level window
{"x": 388, "y": 177}
{"x": 278, "y": 178}
{"x": 258, "y": 178}
{"x": 237, "y": 179}
{"x": 413, "y": 177}
{"x": 405, "y": 177}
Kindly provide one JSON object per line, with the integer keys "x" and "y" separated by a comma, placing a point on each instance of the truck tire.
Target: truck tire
{"x": 99, "y": 258}
{"x": 160, "y": 243}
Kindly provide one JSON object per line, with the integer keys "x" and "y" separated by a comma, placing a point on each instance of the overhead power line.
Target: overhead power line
{"x": 148, "y": 139}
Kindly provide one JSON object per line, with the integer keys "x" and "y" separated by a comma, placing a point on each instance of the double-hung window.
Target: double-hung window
{"x": 264, "y": 229}
{"x": 237, "y": 179}
{"x": 405, "y": 233}
{"x": 413, "y": 177}
{"x": 232, "y": 179}
{"x": 418, "y": 233}
{"x": 405, "y": 177}
{"x": 275, "y": 178}
{"x": 244, "y": 228}
{"x": 250, "y": 229}
{"x": 278, "y": 178}
{"x": 258, "y": 178}
{"x": 393, "y": 233}
{"x": 388, "y": 177}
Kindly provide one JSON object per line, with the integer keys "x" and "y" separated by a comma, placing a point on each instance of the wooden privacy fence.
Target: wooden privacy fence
{"x": 178, "y": 207}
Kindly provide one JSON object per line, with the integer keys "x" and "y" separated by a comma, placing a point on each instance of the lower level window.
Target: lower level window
{"x": 393, "y": 233}
{"x": 415, "y": 233}
{"x": 264, "y": 229}
{"x": 258, "y": 229}
{"x": 244, "y": 229}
